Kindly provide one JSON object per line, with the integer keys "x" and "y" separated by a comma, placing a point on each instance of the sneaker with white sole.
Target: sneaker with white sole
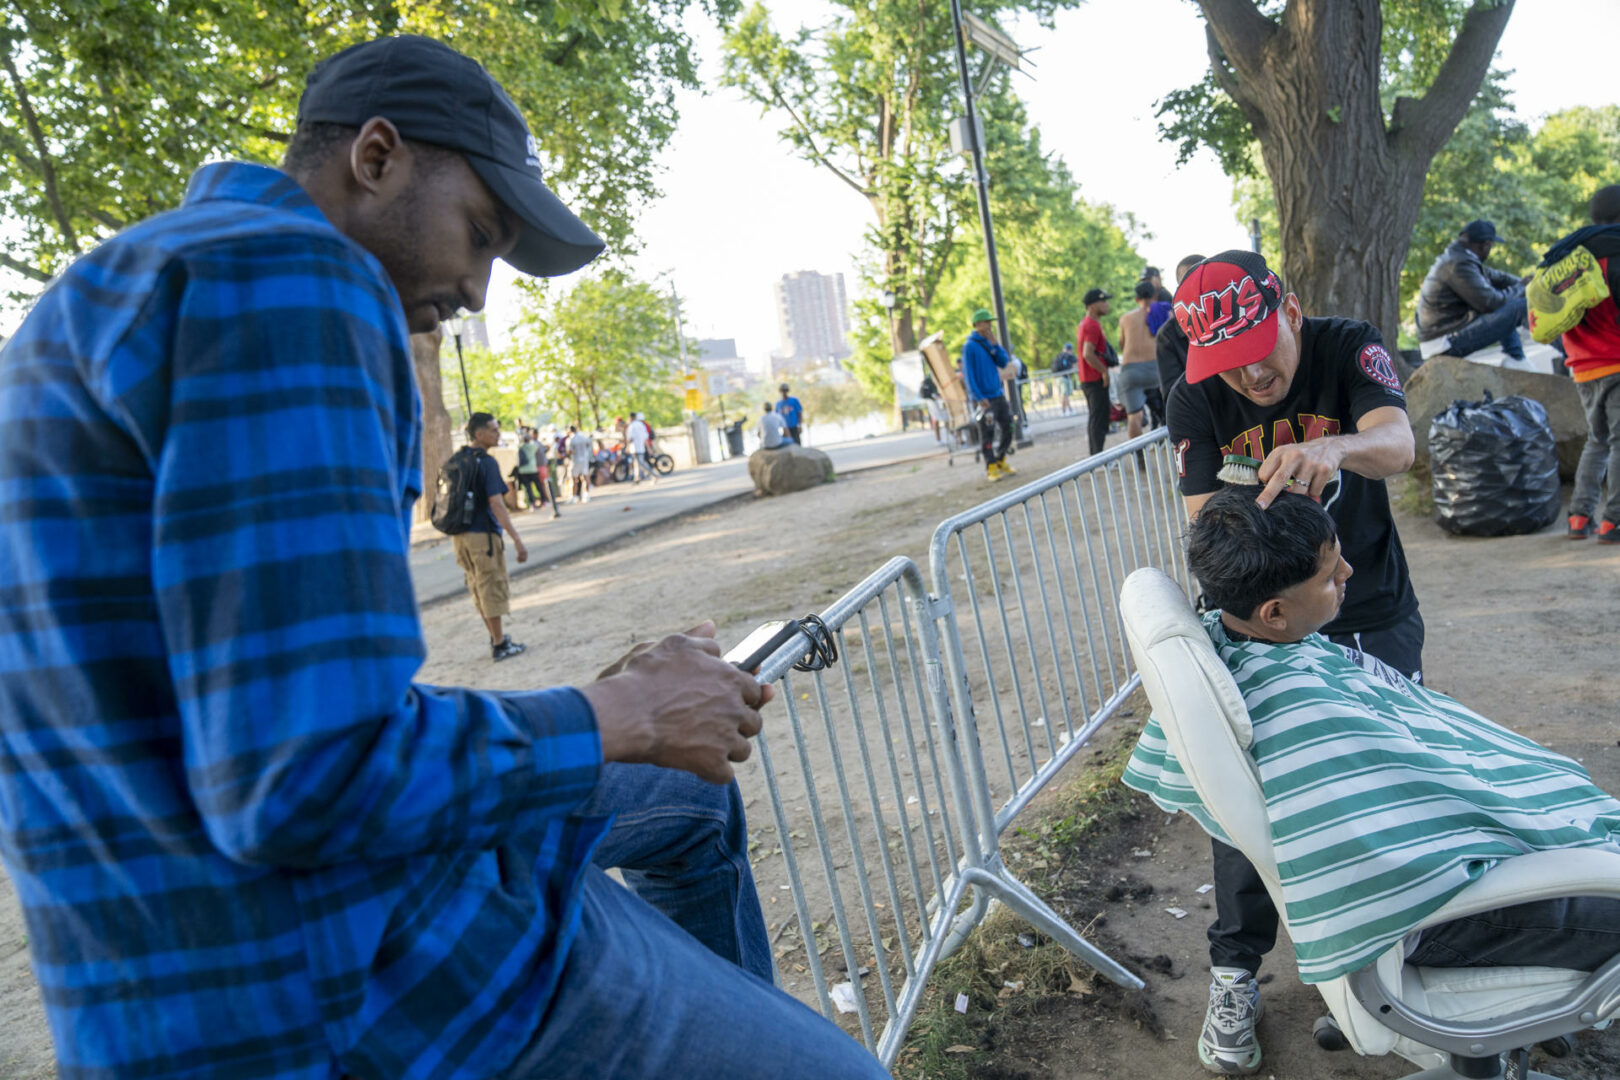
{"x": 506, "y": 649}
{"x": 1228, "y": 1044}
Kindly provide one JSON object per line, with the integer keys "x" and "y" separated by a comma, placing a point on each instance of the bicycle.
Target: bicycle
{"x": 662, "y": 465}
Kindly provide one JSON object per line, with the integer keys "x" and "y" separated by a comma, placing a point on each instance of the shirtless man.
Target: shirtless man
{"x": 1138, "y": 371}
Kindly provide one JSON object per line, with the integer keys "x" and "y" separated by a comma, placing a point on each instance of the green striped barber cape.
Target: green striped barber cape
{"x": 1386, "y": 799}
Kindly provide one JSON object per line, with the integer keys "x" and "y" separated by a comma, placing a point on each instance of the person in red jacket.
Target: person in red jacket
{"x": 1592, "y": 353}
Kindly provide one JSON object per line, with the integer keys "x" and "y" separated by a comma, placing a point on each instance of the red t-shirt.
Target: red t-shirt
{"x": 1593, "y": 344}
{"x": 1090, "y": 330}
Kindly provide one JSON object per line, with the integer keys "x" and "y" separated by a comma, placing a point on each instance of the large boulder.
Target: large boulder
{"x": 1444, "y": 379}
{"x": 788, "y": 468}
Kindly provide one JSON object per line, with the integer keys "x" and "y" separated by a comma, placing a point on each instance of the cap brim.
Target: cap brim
{"x": 553, "y": 240}
{"x": 1248, "y": 347}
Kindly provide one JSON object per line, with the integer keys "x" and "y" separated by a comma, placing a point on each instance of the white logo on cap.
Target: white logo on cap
{"x": 533, "y": 160}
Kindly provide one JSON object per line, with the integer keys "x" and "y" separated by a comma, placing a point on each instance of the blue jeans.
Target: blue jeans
{"x": 1581, "y": 933}
{"x": 1501, "y": 325}
{"x": 671, "y": 976}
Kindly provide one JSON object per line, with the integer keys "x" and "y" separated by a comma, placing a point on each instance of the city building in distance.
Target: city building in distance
{"x": 812, "y": 312}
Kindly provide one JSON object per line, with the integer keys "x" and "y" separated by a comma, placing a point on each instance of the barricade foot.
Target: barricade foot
{"x": 1016, "y": 895}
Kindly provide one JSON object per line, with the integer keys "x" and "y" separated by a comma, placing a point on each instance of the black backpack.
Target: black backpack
{"x": 455, "y": 500}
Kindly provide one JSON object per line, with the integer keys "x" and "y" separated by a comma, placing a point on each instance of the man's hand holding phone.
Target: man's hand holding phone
{"x": 678, "y": 704}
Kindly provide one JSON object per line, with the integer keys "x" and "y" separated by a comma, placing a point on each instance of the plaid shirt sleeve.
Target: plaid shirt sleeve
{"x": 280, "y": 569}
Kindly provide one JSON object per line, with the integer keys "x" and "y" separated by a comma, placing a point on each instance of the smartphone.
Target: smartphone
{"x": 757, "y": 647}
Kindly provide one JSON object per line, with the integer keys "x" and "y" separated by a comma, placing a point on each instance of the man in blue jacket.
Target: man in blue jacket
{"x": 982, "y": 361}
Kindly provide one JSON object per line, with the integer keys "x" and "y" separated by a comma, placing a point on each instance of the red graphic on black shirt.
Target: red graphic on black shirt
{"x": 1377, "y": 366}
{"x": 1251, "y": 443}
{"x": 1181, "y": 456}
{"x": 1219, "y": 316}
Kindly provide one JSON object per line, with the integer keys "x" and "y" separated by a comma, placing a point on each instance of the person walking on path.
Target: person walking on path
{"x": 256, "y": 848}
{"x": 1137, "y": 373}
{"x": 481, "y": 550}
{"x": 931, "y": 401}
{"x": 1170, "y": 341}
{"x": 1318, "y": 403}
{"x": 1064, "y": 366}
{"x": 639, "y": 433}
{"x": 791, "y": 411}
{"x": 1592, "y": 354}
{"x": 531, "y": 470}
{"x": 1093, "y": 344}
{"x": 982, "y": 364}
{"x": 581, "y": 454}
{"x": 1468, "y": 303}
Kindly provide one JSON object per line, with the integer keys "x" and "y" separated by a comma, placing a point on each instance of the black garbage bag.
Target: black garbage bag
{"x": 1495, "y": 467}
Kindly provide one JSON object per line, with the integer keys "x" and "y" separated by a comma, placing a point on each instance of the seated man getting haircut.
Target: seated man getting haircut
{"x": 1386, "y": 799}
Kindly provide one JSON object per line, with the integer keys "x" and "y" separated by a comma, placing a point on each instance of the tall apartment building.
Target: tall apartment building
{"x": 813, "y": 314}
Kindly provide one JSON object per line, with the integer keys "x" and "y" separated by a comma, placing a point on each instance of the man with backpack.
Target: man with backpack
{"x": 473, "y": 513}
{"x": 1592, "y": 354}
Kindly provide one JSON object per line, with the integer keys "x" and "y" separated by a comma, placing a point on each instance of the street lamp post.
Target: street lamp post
{"x": 981, "y": 179}
{"x": 455, "y": 323}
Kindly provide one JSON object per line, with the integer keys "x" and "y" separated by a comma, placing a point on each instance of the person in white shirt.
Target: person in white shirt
{"x": 772, "y": 430}
{"x": 580, "y": 449}
{"x": 640, "y": 435}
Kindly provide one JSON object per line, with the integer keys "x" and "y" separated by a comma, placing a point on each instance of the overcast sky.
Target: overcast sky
{"x": 739, "y": 210}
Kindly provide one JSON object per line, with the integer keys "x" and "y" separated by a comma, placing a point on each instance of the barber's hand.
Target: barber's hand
{"x": 1303, "y": 468}
{"x": 679, "y": 705}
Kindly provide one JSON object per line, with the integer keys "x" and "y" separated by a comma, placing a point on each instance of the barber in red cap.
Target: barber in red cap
{"x": 1318, "y": 403}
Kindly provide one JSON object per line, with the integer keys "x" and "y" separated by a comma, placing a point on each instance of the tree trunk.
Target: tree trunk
{"x": 437, "y": 437}
{"x": 1348, "y": 187}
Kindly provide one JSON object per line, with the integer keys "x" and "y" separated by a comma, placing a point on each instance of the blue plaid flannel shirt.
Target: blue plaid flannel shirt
{"x": 245, "y": 842}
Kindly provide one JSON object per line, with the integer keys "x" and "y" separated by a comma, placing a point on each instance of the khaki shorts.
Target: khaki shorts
{"x": 482, "y": 558}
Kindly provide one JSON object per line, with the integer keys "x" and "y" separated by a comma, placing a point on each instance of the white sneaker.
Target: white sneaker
{"x": 1228, "y": 1044}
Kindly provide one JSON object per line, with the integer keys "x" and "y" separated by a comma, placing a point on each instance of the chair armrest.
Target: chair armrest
{"x": 1542, "y": 875}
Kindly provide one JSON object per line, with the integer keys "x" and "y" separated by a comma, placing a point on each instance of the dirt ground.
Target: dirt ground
{"x": 1521, "y": 628}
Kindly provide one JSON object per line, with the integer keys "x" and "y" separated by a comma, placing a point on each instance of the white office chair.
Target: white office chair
{"x": 1454, "y": 1023}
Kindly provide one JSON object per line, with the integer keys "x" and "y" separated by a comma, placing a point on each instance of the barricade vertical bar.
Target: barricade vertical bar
{"x": 1065, "y": 492}
{"x": 1113, "y": 587}
{"x": 1029, "y": 643}
{"x": 923, "y": 714}
{"x": 1068, "y": 617}
{"x": 852, "y": 960}
{"x": 1051, "y": 629}
{"x": 984, "y": 651}
{"x": 807, "y": 932}
{"x": 796, "y": 886}
{"x": 1007, "y": 639}
{"x": 880, "y": 954}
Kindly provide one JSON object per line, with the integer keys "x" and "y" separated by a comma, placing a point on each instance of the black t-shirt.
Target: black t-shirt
{"x": 1170, "y": 350}
{"x": 1344, "y": 373}
{"x": 489, "y": 483}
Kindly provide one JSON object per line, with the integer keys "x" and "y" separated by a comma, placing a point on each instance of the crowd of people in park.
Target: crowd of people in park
{"x": 249, "y": 844}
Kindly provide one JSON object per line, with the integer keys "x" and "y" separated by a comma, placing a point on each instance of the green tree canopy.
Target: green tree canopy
{"x": 107, "y": 106}
{"x": 605, "y": 348}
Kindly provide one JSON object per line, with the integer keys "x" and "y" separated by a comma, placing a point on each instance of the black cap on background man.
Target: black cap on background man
{"x": 1095, "y": 296}
{"x": 433, "y": 94}
{"x": 1479, "y": 231}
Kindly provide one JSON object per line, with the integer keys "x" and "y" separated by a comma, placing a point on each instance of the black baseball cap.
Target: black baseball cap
{"x": 434, "y": 94}
{"x": 1094, "y": 295}
{"x": 1480, "y": 231}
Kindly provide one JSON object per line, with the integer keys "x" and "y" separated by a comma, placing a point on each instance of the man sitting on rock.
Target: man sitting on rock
{"x": 772, "y": 430}
{"x": 1471, "y": 304}
{"x": 1386, "y": 799}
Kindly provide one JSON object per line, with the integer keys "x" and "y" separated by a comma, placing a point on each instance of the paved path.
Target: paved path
{"x": 617, "y": 510}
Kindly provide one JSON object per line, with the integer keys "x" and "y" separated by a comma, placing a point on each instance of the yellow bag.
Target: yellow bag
{"x": 1559, "y": 295}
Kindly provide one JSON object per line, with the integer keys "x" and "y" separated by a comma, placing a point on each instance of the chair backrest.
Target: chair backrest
{"x": 1200, "y": 711}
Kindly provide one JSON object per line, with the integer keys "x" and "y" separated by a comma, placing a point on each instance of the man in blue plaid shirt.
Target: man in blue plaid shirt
{"x": 245, "y": 842}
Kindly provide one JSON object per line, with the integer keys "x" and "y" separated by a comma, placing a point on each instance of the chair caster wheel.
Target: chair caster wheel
{"x": 1327, "y": 1034}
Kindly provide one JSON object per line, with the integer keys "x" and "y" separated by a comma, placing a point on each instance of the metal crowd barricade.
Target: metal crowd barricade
{"x": 876, "y": 820}
{"x": 1043, "y": 393}
{"x": 1026, "y": 587}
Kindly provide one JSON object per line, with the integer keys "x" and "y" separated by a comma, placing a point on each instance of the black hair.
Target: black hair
{"x": 1606, "y": 205}
{"x": 1243, "y": 555}
{"x": 1145, "y": 290}
{"x": 1187, "y": 264}
{"x": 476, "y": 422}
{"x": 313, "y": 144}
{"x": 767, "y": 406}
